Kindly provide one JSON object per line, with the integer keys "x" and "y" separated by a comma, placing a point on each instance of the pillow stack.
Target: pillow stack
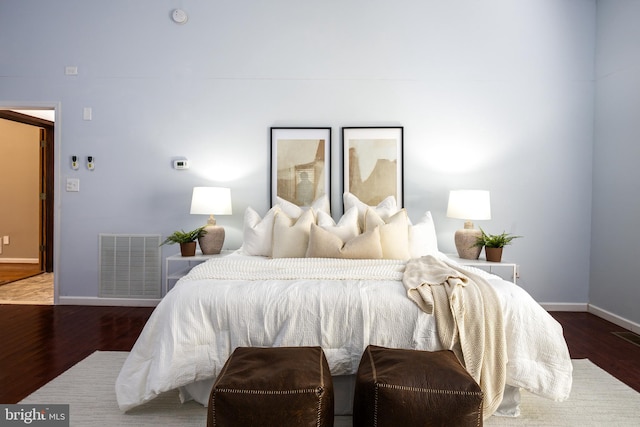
{"x": 363, "y": 232}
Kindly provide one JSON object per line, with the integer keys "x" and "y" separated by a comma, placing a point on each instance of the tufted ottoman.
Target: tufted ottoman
{"x": 406, "y": 388}
{"x": 281, "y": 386}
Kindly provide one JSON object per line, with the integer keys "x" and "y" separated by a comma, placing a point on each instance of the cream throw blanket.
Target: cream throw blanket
{"x": 468, "y": 313}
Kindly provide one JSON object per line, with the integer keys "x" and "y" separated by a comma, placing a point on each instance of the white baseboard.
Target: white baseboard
{"x": 560, "y": 306}
{"x": 19, "y": 260}
{"x": 117, "y": 302}
{"x": 615, "y": 319}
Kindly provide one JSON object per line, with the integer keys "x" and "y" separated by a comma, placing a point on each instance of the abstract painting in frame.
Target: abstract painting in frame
{"x": 373, "y": 163}
{"x": 300, "y": 164}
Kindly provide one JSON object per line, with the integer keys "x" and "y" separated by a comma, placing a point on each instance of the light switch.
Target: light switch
{"x": 87, "y": 113}
{"x": 73, "y": 184}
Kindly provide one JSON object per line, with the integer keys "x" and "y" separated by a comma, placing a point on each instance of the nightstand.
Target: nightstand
{"x": 487, "y": 265}
{"x": 177, "y": 266}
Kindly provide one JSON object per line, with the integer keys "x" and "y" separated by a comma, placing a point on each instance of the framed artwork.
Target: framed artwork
{"x": 373, "y": 163}
{"x": 300, "y": 164}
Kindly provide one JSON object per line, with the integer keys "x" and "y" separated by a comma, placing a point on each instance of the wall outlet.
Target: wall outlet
{"x": 5, "y": 240}
{"x": 73, "y": 184}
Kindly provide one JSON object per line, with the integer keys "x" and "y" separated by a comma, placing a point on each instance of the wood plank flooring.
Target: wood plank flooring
{"x": 38, "y": 343}
{"x": 590, "y": 337}
{"x": 10, "y": 272}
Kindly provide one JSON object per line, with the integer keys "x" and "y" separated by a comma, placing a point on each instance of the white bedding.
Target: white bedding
{"x": 308, "y": 302}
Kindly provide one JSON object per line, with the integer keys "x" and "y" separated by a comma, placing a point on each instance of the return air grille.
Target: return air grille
{"x": 130, "y": 266}
{"x": 628, "y": 336}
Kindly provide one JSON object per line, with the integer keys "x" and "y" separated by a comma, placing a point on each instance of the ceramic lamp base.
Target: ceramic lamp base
{"x": 211, "y": 242}
{"x": 465, "y": 240}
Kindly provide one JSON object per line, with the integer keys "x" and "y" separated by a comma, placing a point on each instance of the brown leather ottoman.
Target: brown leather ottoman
{"x": 279, "y": 387}
{"x": 406, "y": 388}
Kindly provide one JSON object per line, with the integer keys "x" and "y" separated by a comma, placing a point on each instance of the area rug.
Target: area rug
{"x": 597, "y": 399}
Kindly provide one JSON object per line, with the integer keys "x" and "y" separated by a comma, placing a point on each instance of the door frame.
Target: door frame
{"x": 47, "y": 149}
{"x": 53, "y": 228}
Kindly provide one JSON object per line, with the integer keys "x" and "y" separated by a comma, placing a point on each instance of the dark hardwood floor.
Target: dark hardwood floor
{"x": 38, "y": 343}
{"x": 590, "y": 337}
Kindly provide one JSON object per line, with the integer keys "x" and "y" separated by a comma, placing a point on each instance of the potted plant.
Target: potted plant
{"x": 186, "y": 239}
{"x": 493, "y": 244}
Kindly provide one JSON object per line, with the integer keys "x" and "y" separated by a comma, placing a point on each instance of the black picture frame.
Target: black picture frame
{"x": 300, "y": 164}
{"x": 373, "y": 163}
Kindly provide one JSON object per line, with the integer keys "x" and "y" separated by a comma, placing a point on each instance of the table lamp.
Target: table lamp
{"x": 211, "y": 201}
{"x": 468, "y": 205}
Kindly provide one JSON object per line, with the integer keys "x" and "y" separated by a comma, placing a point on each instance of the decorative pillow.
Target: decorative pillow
{"x": 294, "y": 211}
{"x": 347, "y": 227}
{"x": 291, "y": 236}
{"x": 394, "y": 233}
{"x": 257, "y": 232}
{"x": 423, "y": 239}
{"x": 324, "y": 244}
{"x": 385, "y": 208}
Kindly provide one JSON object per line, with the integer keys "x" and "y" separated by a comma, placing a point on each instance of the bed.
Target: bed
{"x": 301, "y": 279}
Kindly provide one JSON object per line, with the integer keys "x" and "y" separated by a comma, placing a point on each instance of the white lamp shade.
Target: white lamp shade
{"x": 469, "y": 204}
{"x": 211, "y": 201}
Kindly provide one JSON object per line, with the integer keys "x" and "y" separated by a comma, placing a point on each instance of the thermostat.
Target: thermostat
{"x": 181, "y": 164}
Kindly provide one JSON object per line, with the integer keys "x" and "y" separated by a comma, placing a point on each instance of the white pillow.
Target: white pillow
{"x": 257, "y": 232}
{"x": 394, "y": 233}
{"x": 423, "y": 239}
{"x": 385, "y": 208}
{"x": 347, "y": 227}
{"x": 324, "y": 244}
{"x": 291, "y": 236}
{"x": 294, "y": 211}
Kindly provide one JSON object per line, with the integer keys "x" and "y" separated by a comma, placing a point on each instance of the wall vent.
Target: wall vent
{"x": 130, "y": 266}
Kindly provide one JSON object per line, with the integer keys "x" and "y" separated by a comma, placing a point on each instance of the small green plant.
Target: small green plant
{"x": 495, "y": 240}
{"x": 184, "y": 236}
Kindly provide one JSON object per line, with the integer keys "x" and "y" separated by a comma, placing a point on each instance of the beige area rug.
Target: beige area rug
{"x": 597, "y": 399}
{"x": 35, "y": 290}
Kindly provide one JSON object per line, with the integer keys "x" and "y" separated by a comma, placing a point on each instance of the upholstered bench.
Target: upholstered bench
{"x": 281, "y": 386}
{"x": 396, "y": 387}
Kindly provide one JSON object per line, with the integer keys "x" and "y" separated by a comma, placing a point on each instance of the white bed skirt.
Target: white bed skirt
{"x": 343, "y": 392}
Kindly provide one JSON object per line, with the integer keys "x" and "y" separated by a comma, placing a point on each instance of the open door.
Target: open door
{"x": 46, "y": 199}
{"x": 46, "y": 206}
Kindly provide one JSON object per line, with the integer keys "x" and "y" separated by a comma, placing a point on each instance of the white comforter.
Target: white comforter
{"x": 341, "y": 305}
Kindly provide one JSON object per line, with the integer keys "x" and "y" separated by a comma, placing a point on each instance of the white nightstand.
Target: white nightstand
{"x": 177, "y": 266}
{"x": 487, "y": 265}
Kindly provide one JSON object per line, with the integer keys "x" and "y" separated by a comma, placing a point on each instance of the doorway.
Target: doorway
{"x": 40, "y": 123}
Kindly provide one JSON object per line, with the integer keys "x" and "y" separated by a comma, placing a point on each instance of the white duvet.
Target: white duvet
{"x": 340, "y": 305}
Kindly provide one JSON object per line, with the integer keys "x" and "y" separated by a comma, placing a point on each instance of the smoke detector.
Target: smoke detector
{"x": 179, "y": 16}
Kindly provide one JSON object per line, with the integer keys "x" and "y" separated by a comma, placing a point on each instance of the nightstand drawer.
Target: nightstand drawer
{"x": 489, "y": 266}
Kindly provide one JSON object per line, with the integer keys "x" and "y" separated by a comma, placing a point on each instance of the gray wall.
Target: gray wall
{"x": 494, "y": 95}
{"x": 615, "y": 286}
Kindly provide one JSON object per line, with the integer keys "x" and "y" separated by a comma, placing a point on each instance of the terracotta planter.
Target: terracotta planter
{"x": 188, "y": 249}
{"x": 493, "y": 254}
